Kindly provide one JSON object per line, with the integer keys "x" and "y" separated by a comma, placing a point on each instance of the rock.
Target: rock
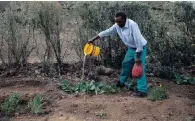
{"x": 37, "y": 71}
{"x": 76, "y": 95}
{"x": 74, "y": 105}
{"x": 108, "y": 71}
{"x": 77, "y": 79}
{"x": 87, "y": 111}
{"x": 150, "y": 74}
{"x": 101, "y": 70}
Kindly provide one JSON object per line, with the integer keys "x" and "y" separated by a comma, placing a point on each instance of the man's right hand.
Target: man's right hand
{"x": 90, "y": 41}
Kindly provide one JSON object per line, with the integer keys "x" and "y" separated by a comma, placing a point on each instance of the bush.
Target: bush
{"x": 17, "y": 40}
{"x": 157, "y": 93}
{"x": 11, "y": 104}
{"x": 48, "y": 17}
{"x": 35, "y": 104}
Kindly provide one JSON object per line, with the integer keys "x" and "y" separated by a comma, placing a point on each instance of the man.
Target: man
{"x": 131, "y": 36}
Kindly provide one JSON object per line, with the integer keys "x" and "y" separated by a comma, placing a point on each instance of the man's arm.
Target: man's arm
{"x": 107, "y": 32}
{"x": 138, "y": 41}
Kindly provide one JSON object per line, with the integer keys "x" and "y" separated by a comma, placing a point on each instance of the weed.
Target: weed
{"x": 11, "y": 104}
{"x": 190, "y": 118}
{"x": 36, "y": 104}
{"x": 157, "y": 93}
{"x": 101, "y": 115}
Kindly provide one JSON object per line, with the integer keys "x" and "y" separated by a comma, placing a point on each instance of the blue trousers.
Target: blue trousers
{"x": 127, "y": 66}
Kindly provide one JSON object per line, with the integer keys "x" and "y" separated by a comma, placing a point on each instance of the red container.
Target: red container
{"x": 136, "y": 71}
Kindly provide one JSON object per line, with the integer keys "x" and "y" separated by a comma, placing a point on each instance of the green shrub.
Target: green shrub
{"x": 11, "y": 104}
{"x": 157, "y": 93}
{"x": 36, "y": 104}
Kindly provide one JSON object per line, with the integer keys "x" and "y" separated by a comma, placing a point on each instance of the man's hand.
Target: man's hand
{"x": 138, "y": 62}
{"x": 90, "y": 41}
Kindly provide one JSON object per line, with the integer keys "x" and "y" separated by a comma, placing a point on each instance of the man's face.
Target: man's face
{"x": 119, "y": 21}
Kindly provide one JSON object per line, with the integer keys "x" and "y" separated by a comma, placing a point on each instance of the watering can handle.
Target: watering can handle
{"x": 93, "y": 39}
{"x": 89, "y": 42}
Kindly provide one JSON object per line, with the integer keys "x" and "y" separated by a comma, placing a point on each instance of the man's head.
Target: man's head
{"x": 120, "y": 19}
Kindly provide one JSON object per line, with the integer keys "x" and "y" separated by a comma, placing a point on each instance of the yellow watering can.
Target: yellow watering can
{"x": 90, "y": 49}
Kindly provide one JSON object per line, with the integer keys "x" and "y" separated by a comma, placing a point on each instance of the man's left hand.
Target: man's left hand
{"x": 138, "y": 62}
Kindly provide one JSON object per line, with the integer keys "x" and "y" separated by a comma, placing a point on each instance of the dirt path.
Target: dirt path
{"x": 117, "y": 107}
{"x": 122, "y": 108}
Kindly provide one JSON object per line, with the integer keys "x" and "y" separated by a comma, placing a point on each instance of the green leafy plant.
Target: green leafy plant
{"x": 157, "y": 93}
{"x": 36, "y": 104}
{"x": 89, "y": 87}
{"x": 182, "y": 79}
{"x": 11, "y": 104}
{"x": 67, "y": 87}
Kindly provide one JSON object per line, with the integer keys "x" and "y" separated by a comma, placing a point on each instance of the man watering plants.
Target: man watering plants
{"x": 131, "y": 36}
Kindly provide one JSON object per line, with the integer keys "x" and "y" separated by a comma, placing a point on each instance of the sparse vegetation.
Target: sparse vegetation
{"x": 101, "y": 115}
{"x": 157, "y": 93}
{"x": 11, "y": 104}
{"x": 182, "y": 79}
{"x": 89, "y": 87}
{"x": 35, "y": 104}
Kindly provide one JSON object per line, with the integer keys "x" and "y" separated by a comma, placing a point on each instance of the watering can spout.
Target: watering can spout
{"x": 92, "y": 50}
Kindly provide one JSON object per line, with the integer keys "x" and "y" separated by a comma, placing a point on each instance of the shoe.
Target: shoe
{"x": 140, "y": 94}
{"x": 120, "y": 85}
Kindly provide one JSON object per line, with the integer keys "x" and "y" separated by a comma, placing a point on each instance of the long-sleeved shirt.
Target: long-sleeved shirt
{"x": 130, "y": 34}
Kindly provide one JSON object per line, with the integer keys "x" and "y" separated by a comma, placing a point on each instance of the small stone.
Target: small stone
{"x": 87, "y": 111}
{"x": 77, "y": 79}
{"x": 76, "y": 95}
{"x": 151, "y": 74}
{"x": 37, "y": 71}
{"x": 74, "y": 105}
{"x": 16, "y": 114}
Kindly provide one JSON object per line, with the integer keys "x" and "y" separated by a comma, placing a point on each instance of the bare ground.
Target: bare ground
{"x": 122, "y": 106}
